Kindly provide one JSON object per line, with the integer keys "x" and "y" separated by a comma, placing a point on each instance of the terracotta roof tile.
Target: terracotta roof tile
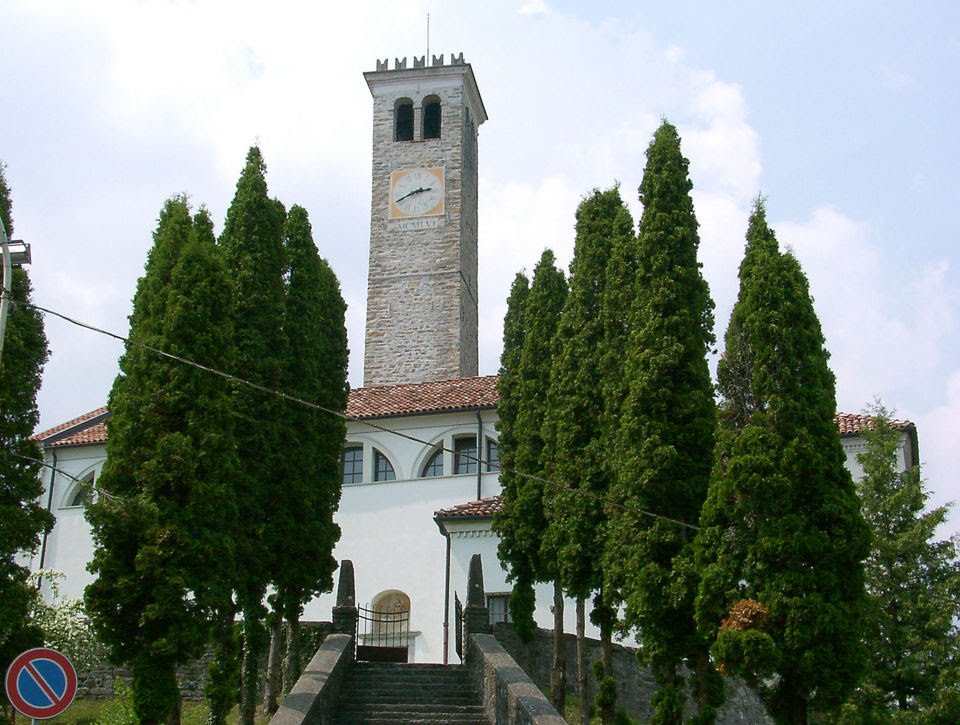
{"x": 392, "y": 400}
{"x": 86, "y": 429}
{"x": 482, "y": 509}
{"x": 96, "y": 433}
{"x": 69, "y": 424}
{"x": 418, "y": 398}
{"x": 855, "y": 423}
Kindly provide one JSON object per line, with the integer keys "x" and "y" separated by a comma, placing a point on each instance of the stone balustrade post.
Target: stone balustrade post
{"x": 476, "y": 616}
{"x": 345, "y": 610}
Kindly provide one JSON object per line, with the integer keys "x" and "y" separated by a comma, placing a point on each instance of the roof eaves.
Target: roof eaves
{"x": 47, "y": 438}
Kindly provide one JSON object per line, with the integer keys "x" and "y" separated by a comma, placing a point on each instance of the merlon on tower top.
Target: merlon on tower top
{"x": 421, "y": 62}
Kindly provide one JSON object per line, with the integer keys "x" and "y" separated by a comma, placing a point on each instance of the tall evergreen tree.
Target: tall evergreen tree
{"x": 913, "y": 582}
{"x": 664, "y": 439}
{"x": 315, "y": 370}
{"x": 782, "y": 538}
{"x": 522, "y": 598}
{"x": 22, "y": 518}
{"x": 252, "y": 239}
{"x": 573, "y": 538}
{"x": 522, "y": 522}
{"x": 162, "y": 525}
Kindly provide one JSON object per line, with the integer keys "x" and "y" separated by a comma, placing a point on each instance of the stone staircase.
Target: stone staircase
{"x": 390, "y": 694}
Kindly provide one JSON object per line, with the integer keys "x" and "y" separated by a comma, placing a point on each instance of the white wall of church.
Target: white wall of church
{"x": 69, "y": 546}
{"x": 387, "y": 527}
{"x": 854, "y": 446}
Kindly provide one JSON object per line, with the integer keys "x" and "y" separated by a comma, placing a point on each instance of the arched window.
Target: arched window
{"x": 82, "y": 492}
{"x": 382, "y": 469}
{"x": 493, "y": 455}
{"x": 403, "y": 128}
{"x": 434, "y": 464}
{"x": 431, "y": 117}
{"x": 465, "y": 455}
{"x": 352, "y": 464}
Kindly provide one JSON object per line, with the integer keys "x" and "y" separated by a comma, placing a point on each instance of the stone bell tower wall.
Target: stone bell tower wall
{"x": 422, "y": 283}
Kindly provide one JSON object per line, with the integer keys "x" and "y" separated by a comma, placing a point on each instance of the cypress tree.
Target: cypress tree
{"x": 782, "y": 538}
{"x": 315, "y": 370}
{"x": 22, "y": 518}
{"x": 913, "y": 582}
{"x": 522, "y": 598}
{"x": 163, "y": 522}
{"x": 252, "y": 240}
{"x": 664, "y": 434}
{"x": 575, "y": 516}
{"x": 523, "y": 521}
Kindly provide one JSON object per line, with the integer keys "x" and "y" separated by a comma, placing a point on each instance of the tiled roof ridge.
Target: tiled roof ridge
{"x": 481, "y": 508}
{"x": 383, "y": 401}
{"x": 856, "y": 423}
{"x": 50, "y": 432}
{"x": 426, "y": 397}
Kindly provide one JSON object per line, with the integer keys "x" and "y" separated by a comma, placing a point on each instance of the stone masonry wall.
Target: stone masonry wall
{"x": 98, "y": 682}
{"x": 421, "y": 290}
{"x": 635, "y": 685}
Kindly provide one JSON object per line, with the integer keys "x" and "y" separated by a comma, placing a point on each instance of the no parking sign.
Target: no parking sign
{"x": 41, "y": 683}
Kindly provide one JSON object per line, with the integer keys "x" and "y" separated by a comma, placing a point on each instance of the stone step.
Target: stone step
{"x": 422, "y": 707}
{"x": 407, "y": 716}
{"x": 375, "y": 692}
{"x": 393, "y": 720}
{"x": 388, "y": 698}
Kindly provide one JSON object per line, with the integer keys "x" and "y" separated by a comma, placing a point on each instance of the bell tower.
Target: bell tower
{"x": 422, "y": 281}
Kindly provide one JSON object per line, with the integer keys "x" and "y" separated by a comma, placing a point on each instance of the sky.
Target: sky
{"x": 843, "y": 115}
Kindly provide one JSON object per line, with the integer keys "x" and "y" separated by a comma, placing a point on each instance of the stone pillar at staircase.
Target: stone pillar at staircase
{"x": 476, "y": 616}
{"x": 345, "y": 610}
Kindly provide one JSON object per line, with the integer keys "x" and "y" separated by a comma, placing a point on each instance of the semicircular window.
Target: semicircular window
{"x": 383, "y": 469}
{"x": 82, "y": 494}
{"x": 434, "y": 464}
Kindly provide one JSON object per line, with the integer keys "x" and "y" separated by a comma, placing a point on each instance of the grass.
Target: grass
{"x": 89, "y": 712}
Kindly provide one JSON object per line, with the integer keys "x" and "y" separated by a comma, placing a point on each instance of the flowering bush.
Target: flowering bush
{"x": 65, "y": 626}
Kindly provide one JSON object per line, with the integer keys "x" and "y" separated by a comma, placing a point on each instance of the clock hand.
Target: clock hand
{"x": 415, "y": 191}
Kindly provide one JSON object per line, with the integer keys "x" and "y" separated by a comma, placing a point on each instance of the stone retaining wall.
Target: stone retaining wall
{"x": 635, "y": 685}
{"x": 97, "y": 682}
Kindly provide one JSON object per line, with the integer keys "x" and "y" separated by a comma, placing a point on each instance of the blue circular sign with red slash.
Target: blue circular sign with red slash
{"x": 41, "y": 683}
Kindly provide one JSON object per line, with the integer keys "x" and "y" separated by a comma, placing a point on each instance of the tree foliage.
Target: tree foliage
{"x": 252, "y": 240}
{"x": 522, "y": 598}
{"x": 315, "y": 370}
{"x": 529, "y": 332}
{"x": 664, "y": 431}
{"x": 781, "y": 525}
{"x": 577, "y": 464}
{"x": 913, "y": 581}
{"x": 22, "y": 518}
{"x": 163, "y": 523}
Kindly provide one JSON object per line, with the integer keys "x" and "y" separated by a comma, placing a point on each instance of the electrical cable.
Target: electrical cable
{"x": 352, "y": 419}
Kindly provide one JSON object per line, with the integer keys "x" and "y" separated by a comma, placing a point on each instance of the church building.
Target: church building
{"x": 420, "y": 463}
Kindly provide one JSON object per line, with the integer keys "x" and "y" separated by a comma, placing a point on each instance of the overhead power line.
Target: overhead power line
{"x": 352, "y": 419}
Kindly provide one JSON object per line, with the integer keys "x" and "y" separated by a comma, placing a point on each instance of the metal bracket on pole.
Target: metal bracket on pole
{"x": 20, "y": 256}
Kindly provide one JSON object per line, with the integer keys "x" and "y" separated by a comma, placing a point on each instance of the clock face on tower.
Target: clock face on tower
{"x": 416, "y": 192}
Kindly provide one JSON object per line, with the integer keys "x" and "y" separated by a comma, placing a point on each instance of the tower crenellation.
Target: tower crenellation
{"x": 422, "y": 283}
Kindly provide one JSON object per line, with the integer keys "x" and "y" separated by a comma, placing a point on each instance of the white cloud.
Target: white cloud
{"x": 534, "y": 7}
{"x": 895, "y": 79}
{"x": 886, "y": 331}
{"x": 939, "y": 452}
{"x": 518, "y": 221}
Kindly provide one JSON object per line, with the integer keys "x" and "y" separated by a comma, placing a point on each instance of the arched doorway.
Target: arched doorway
{"x": 383, "y": 629}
